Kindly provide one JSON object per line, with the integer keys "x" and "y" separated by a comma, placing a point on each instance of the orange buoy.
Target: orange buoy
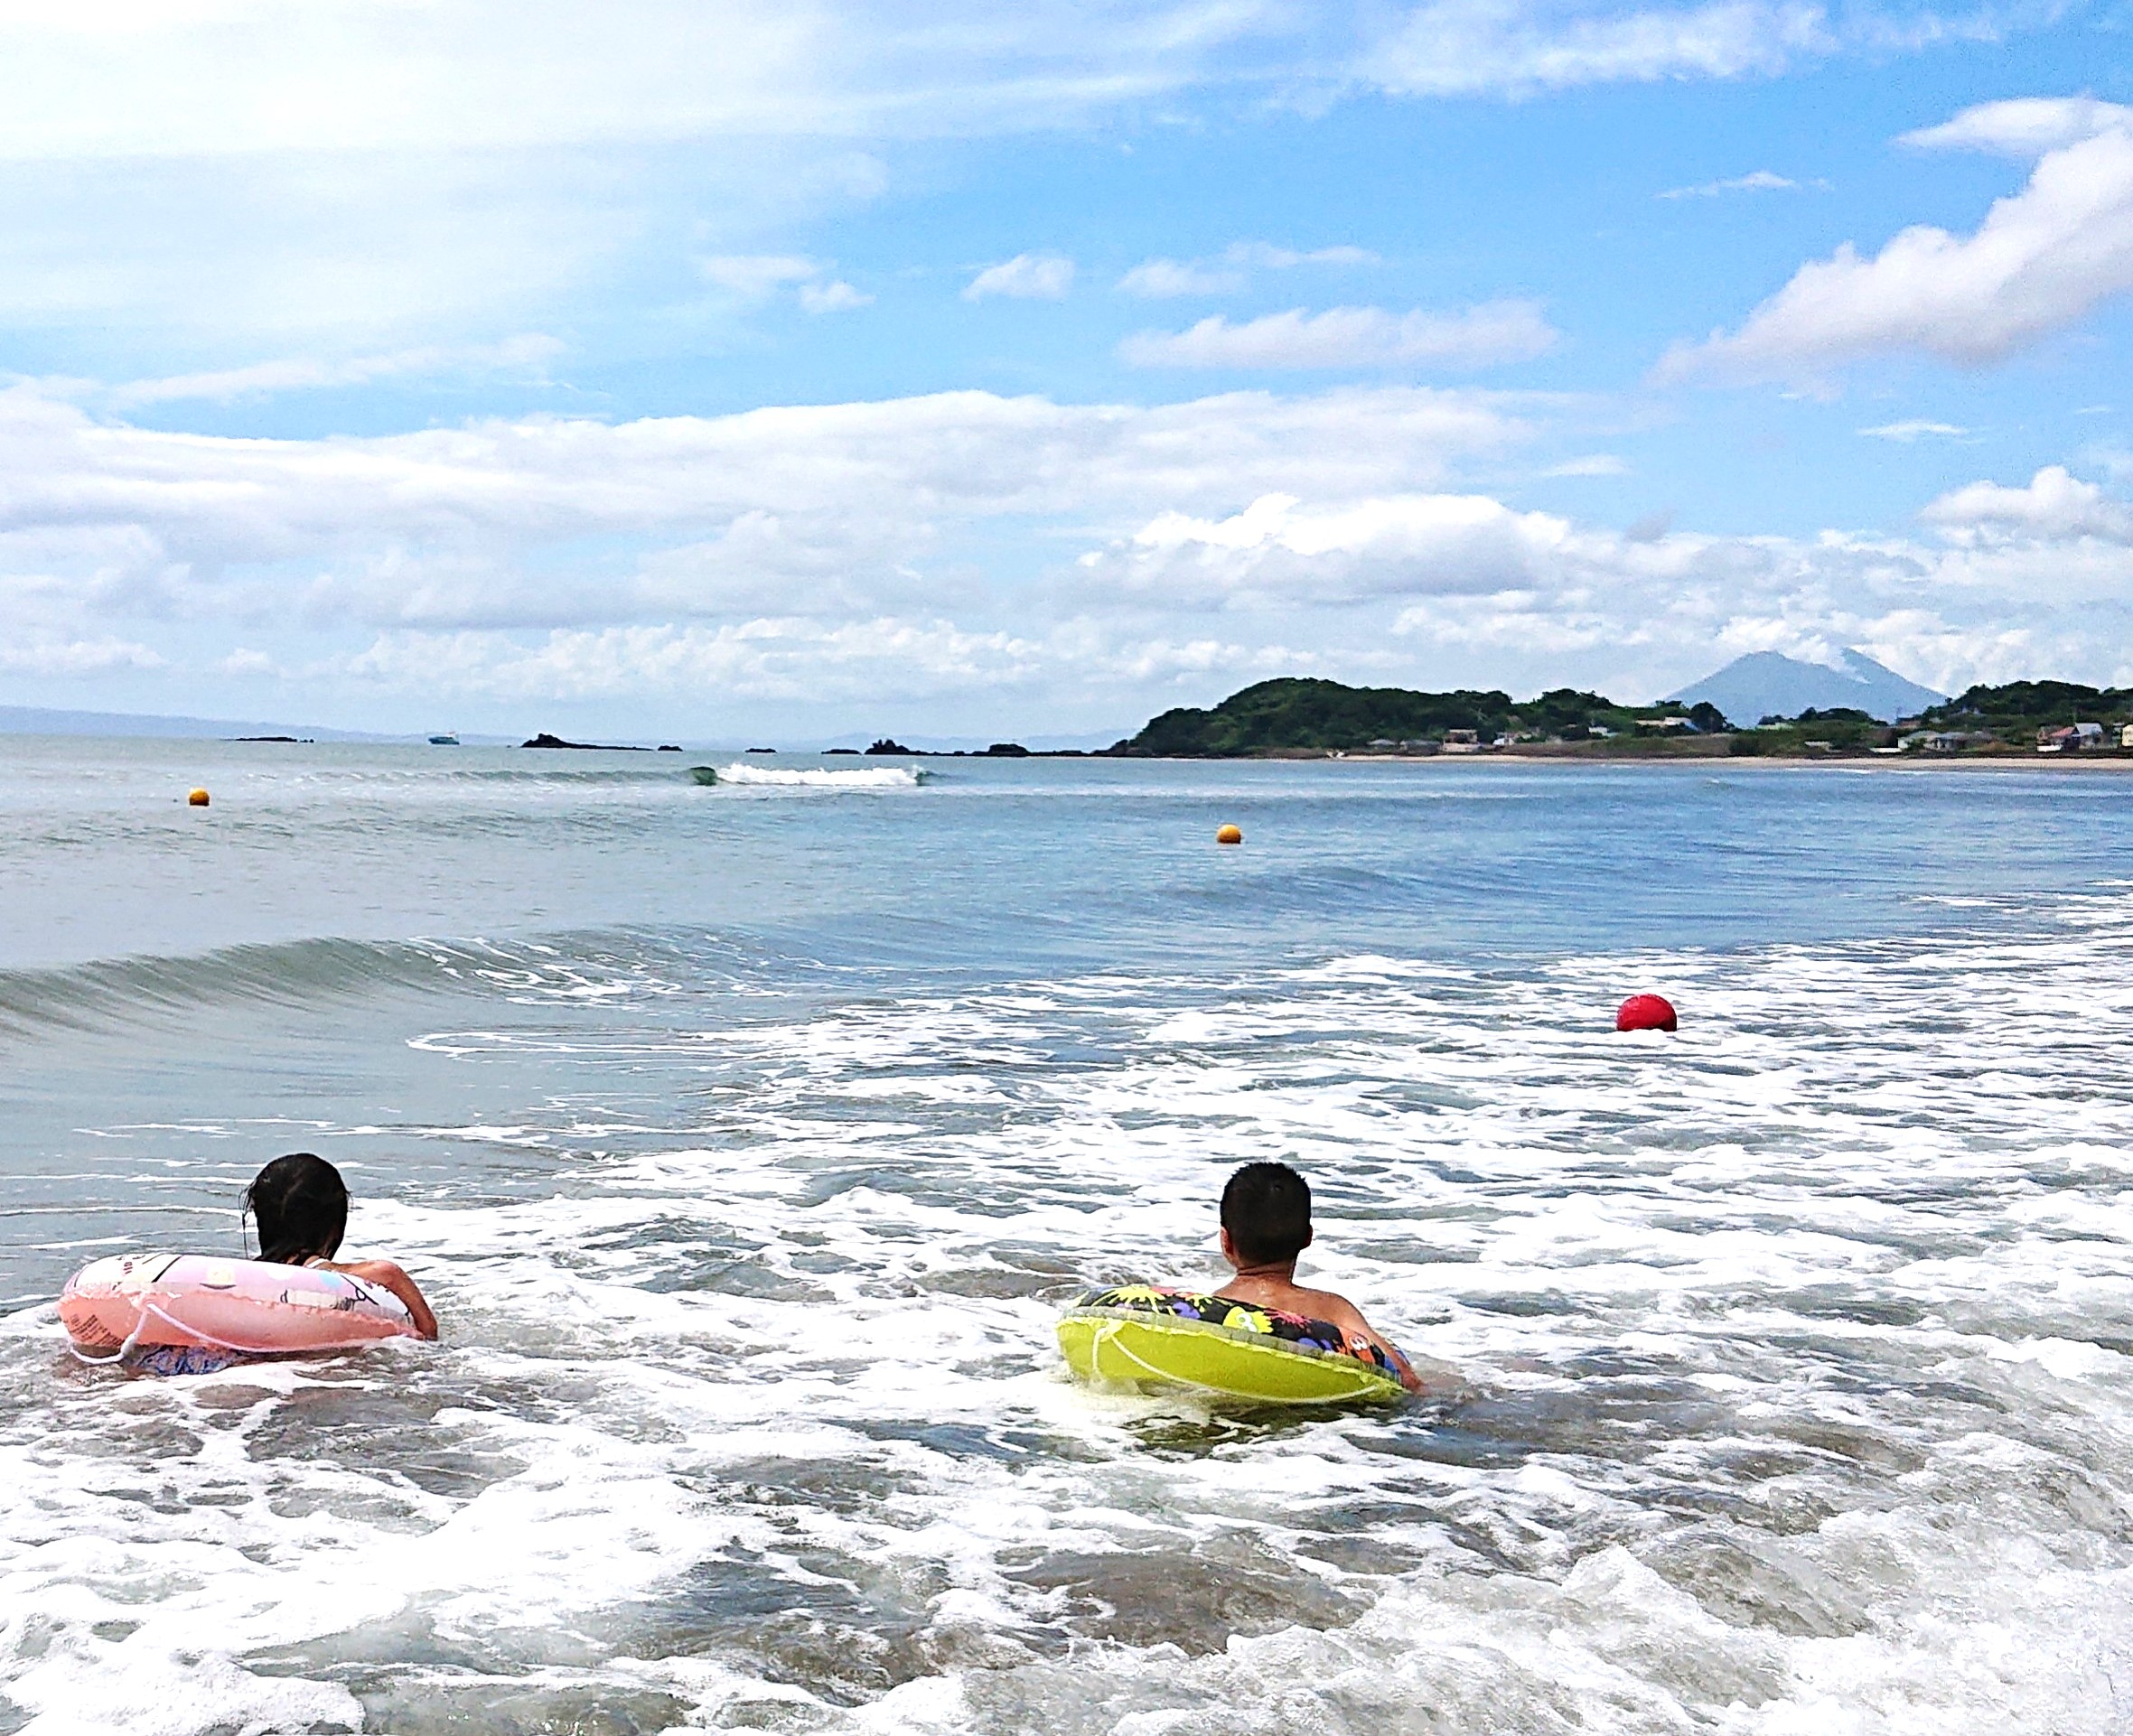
{"x": 1228, "y": 835}
{"x": 198, "y": 799}
{"x": 1645, "y": 1013}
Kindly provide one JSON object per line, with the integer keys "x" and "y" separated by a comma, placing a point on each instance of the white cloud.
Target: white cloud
{"x": 755, "y": 279}
{"x": 75, "y": 657}
{"x": 2054, "y": 507}
{"x": 1910, "y": 432}
{"x": 394, "y": 173}
{"x": 1398, "y": 546}
{"x": 120, "y": 81}
{"x": 1758, "y": 181}
{"x": 1500, "y": 590}
{"x": 766, "y": 659}
{"x": 1590, "y": 464}
{"x": 1159, "y": 278}
{"x": 2041, "y": 261}
{"x": 2024, "y": 127}
{"x": 1083, "y": 558}
{"x": 109, "y": 79}
{"x": 813, "y": 508}
{"x": 1351, "y": 337}
{"x": 834, "y": 297}
{"x": 1465, "y": 47}
{"x": 1028, "y": 276}
{"x": 1229, "y": 270}
{"x": 526, "y": 356}
{"x": 757, "y": 276}
{"x": 1265, "y": 256}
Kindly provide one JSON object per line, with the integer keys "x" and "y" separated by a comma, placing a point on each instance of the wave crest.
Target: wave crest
{"x": 823, "y": 778}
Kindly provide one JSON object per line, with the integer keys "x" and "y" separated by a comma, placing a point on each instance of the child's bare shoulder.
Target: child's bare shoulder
{"x": 1328, "y": 1306}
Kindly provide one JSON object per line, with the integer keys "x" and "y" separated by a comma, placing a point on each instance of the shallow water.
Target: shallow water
{"x": 748, "y": 1139}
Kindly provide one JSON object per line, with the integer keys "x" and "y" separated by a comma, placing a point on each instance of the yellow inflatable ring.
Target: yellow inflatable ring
{"x": 1145, "y": 1334}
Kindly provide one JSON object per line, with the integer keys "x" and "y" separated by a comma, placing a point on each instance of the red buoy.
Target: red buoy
{"x": 1645, "y": 1013}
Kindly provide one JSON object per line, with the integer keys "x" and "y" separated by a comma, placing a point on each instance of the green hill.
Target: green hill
{"x": 1301, "y": 713}
{"x": 2016, "y": 710}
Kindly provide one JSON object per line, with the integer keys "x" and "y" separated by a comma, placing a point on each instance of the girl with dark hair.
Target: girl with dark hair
{"x": 300, "y": 1204}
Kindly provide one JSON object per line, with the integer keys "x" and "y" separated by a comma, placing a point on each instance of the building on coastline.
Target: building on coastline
{"x": 2074, "y": 738}
{"x": 1946, "y": 741}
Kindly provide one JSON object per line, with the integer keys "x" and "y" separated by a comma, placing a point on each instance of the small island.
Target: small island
{"x": 544, "y": 740}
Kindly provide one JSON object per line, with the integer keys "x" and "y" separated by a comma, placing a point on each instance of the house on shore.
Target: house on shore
{"x": 1946, "y": 741}
{"x": 2074, "y": 738}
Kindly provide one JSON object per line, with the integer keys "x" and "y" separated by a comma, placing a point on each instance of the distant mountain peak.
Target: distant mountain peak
{"x": 1768, "y": 684}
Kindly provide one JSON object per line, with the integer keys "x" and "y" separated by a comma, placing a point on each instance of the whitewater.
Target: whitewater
{"x": 748, "y": 1141}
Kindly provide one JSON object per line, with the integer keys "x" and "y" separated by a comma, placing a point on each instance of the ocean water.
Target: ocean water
{"x": 748, "y": 1139}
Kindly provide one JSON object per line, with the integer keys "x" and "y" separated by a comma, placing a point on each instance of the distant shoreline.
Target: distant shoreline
{"x": 2007, "y": 761}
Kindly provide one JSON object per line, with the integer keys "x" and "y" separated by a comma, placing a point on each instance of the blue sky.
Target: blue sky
{"x": 961, "y": 371}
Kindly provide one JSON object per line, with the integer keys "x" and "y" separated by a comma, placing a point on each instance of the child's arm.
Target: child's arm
{"x": 1351, "y": 1321}
{"x": 386, "y": 1275}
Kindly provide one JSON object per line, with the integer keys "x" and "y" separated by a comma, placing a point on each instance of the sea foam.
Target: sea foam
{"x": 823, "y": 778}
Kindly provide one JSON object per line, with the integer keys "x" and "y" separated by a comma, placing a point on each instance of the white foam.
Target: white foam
{"x": 1800, "y": 1397}
{"x": 823, "y": 778}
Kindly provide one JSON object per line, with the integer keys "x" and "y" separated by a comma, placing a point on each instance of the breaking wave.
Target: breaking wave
{"x": 822, "y": 777}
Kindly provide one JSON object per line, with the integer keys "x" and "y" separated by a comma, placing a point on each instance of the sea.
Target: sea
{"x": 749, "y": 1137}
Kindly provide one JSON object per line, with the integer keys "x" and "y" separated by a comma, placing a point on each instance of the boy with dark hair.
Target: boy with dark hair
{"x": 1265, "y": 1225}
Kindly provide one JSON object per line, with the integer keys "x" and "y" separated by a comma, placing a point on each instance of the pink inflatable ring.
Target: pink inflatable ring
{"x": 132, "y": 1302}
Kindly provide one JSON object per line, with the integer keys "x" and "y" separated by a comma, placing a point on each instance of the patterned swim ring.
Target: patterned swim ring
{"x": 1149, "y": 1334}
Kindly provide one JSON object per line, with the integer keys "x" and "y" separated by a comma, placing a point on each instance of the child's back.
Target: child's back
{"x": 1266, "y": 1226}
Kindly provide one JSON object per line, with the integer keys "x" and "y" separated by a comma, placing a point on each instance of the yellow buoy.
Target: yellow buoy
{"x": 198, "y": 799}
{"x": 1228, "y": 835}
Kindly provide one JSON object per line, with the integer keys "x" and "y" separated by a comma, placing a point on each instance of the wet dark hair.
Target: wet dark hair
{"x": 300, "y": 1204}
{"x": 1267, "y": 1209}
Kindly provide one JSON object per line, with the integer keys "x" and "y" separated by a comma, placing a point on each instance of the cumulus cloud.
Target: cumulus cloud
{"x": 2023, "y": 128}
{"x": 58, "y": 656}
{"x": 1229, "y": 270}
{"x": 1397, "y": 545}
{"x": 1471, "y": 578}
{"x": 2055, "y": 505}
{"x": 1089, "y": 558}
{"x": 1465, "y": 47}
{"x": 1028, "y": 276}
{"x": 836, "y": 296}
{"x": 1351, "y": 337}
{"x": 2041, "y": 261}
{"x": 471, "y": 525}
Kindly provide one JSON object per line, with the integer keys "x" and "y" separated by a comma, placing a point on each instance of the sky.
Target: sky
{"x": 804, "y": 371}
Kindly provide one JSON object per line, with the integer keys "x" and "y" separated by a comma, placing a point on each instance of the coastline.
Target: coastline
{"x": 1568, "y": 754}
{"x": 1783, "y": 762}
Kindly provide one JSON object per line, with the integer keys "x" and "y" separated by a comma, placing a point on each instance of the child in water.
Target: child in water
{"x": 1265, "y": 1225}
{"x": 300, "y": 1204}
